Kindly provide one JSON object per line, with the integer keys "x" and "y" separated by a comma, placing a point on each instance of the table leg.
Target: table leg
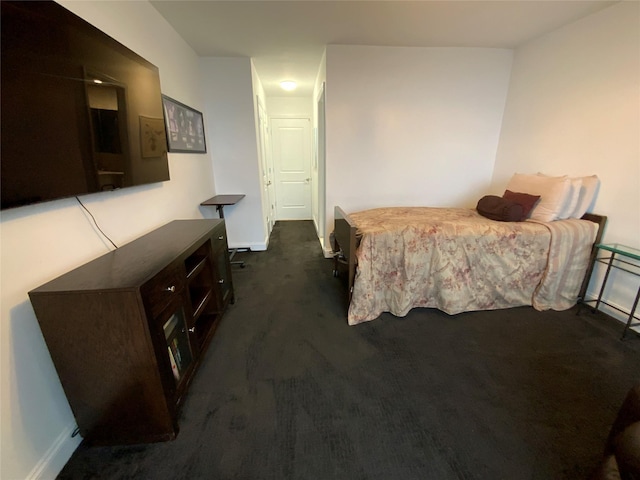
{"x": 604, "y": 281}
{"x": 633, "y": 311}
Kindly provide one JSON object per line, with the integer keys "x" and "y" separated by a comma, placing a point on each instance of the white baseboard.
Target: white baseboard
{"x": 58, "y": 454}
{"x": 621, "y": 316}
{"x": 254, "y": 247}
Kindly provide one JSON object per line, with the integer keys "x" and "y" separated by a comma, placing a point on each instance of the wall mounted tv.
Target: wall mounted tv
{"x": 81, "y": 113}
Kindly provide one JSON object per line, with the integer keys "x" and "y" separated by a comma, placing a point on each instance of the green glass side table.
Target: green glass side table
{"x": 619, "y": 258}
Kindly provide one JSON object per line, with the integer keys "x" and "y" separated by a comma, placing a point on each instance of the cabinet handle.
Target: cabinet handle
{"x": 221, "y": 237}
{"x": 192, "y": 329}
{"x": 171, "y": 289}
{"x": 221, "y": 281}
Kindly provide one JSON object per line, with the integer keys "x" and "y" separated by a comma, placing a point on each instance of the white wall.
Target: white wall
{"x": 290, "y": 107}
{"x": 262, "y": 144}
{"x": 41, "y": 242}
{"x": 574, "y": 108}
{"x": 229, "y": 104}
{"x": 412, "y": 126}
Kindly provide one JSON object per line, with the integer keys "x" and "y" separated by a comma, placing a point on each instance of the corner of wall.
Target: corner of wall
{"x": 57, "y": 455}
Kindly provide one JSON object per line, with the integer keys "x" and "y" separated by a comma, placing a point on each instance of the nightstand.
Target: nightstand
{"x": 624, "y": 258}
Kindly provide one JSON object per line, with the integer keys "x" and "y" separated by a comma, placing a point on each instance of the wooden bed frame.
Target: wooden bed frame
{"x": 601, "y": 220}
{"x": 345, "y": 234}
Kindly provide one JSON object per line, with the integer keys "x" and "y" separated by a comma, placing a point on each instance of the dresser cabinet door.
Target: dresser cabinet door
{"x": 174, "y": 348}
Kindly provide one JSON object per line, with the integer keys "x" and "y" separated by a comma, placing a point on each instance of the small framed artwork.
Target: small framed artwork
{"x": 184, "y": 127}
{"x": 152, "y": 137}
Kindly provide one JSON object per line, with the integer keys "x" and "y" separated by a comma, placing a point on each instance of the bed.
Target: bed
{"x": 456, "y": 260}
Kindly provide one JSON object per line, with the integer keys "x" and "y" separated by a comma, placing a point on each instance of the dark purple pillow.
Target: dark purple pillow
{"x": 527, "y": 201}
{"x": 500, "y": 209}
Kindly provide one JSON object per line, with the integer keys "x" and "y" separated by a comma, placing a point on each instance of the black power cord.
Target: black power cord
{"x": 95, "y": 222}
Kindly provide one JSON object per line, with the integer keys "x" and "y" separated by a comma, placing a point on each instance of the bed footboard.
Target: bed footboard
{"x": 344, "y": 230}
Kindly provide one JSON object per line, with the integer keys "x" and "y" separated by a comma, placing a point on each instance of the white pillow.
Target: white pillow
{"x": 588, "y": 193}
{"x": 571, "y": 202}
{"x": 553, "y": 193}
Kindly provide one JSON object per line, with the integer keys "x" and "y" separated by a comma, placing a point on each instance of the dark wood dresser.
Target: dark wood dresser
{"x": 127, "y": 331}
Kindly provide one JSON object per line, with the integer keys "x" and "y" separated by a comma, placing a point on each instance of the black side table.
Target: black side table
{"x": 219, "y": 201}
{"x": 619, "y": 258}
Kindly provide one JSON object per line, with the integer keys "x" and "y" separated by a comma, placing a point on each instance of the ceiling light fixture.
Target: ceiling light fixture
{"x": 288, "y": 85}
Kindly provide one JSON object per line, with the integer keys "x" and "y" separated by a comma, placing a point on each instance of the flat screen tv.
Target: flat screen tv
{"x": 81, "y": 113}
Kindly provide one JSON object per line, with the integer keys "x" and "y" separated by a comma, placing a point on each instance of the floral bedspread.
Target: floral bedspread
{"x": 456, "y": 260}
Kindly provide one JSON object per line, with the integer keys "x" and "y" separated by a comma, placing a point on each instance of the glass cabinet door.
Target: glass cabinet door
{"x": 178, "y": 346}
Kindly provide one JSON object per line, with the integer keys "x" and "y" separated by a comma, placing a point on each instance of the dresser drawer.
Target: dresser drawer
{"x": 219, "y": 239}
{"x": 163, "y": 288}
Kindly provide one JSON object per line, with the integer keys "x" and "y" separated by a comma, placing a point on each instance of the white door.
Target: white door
{"x": 268, "y": 198}
{"x": 291, "y": 142}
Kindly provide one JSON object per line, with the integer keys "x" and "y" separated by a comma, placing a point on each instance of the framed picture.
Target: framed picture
{"x": 152, "y": 137}
{"x": 184, "y": 127}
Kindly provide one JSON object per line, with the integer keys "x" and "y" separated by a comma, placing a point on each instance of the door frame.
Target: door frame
{"x": 266, "y": 165}
{"x": 320, "y": 156}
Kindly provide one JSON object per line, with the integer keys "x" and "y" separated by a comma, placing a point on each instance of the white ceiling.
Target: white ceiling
{"x": 286, "y": 39}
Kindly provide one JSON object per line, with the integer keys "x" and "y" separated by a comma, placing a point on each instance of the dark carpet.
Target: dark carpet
{"x": 288, "y": 390}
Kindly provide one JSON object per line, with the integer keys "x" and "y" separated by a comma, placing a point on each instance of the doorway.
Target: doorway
{"x": 291, "y": 146}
